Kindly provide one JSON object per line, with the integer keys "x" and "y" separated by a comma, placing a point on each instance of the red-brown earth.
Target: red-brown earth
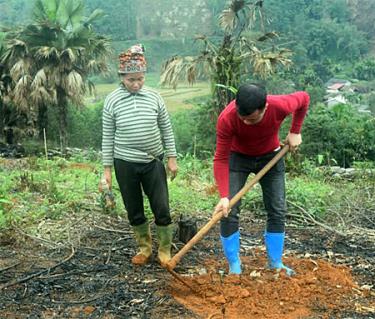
{"x": 90, "y": 276}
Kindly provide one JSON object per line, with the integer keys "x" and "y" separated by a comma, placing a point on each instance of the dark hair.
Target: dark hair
{"x": 249, "y": 98}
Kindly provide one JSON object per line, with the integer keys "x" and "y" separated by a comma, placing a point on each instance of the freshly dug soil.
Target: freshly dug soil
{"x": 91, "y": 276}
{"x": 318, "y": 288}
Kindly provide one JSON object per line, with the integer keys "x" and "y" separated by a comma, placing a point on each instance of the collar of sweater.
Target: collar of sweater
{"x": 127, "y": 93}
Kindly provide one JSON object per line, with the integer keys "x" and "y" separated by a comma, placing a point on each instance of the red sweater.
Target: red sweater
{"x": 233, "y": 135}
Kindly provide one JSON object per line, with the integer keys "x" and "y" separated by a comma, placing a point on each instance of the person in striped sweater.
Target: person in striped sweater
{"x": 246, "y": 140}
{"x": 137, "y": 135}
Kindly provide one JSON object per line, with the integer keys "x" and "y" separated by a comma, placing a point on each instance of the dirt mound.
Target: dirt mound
{"x": 319, "y": 288}
{"x": 39, "y": 278}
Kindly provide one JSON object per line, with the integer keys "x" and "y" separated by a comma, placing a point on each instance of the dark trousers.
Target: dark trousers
{"x": 273, "y": 188}
{"x": 152, "y": 178}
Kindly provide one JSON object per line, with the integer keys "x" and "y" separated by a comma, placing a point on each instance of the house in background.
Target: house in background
{"x": 335, "y": 89}
{"x": 336, "y": 84}
{"x": 334, "y": 100}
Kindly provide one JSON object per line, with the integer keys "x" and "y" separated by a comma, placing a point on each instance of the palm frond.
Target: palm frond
{"x": 76, "y": 10}
{"x": 227, "y": 20}
{"x": 70, "y": 14}
{"x": 40, "y": 95}
{"x": 91, "y": 86}
{"x": 237, "y": 5}
{"x": 95, "y": 66}
{"x": 73, "y": 83}
{"x": 74, "y": 87}
{"x": 45, "y": 10}
{"x": 47, "y": 53}
{"x": 180, "y": 68}
{"x": 19, "y": 69}
{"x": 94, "y": 16}
{"x": 210, "y": 47}
{"x": 240, "y": 15}
{"x": 20, "y": 92}
{"x": 15, "y": 49}
{"x": 171, "y": 71}
{"x": 265, "y": 63}
{"x": 68, "y": 56}
{"x": 249, "y": 16}
{"x": 2, "y": 42}
{"x": 268, "y": 35}
{"x": 230, "y": 88}
{"x": 40, "y": 80}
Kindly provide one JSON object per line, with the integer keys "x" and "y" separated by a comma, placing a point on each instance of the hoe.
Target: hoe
{"x": 215, "y": 218}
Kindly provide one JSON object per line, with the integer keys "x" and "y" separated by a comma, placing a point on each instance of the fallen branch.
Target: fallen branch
{"x": 9, "y": 267}
{"x": 46, "y": 241}
{"x": 370, "y": 233}
{"x": 112, "y": 230}
{"x": 27, "y": 278}
{"x": 78, "y": 302}
{"x": 109, "y": 253}
{"x": 59, "y": 275}
{"x": 313, "y": 220}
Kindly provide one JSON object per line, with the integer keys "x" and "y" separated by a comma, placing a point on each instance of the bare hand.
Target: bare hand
{"x": 293, "y": 140}
{"x": 222, "y": 205}
{"x": 172, "y": 167}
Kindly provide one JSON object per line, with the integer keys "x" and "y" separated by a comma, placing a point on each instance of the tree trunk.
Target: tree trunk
{"x": 227, "y": 73}
{"x": 42, "y": 120}
{"x": 222, "y": 96}
{"x": 8, "y": 120}
{"x": 1, "y": 120}
{"x": 62, "y": 115}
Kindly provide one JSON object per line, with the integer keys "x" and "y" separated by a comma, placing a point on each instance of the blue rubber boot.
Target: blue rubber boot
{"x": 275, "y": 247}
{"x": 231, "y": 247}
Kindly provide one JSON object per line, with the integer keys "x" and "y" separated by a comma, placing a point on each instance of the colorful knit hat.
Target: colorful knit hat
{"x": 132, "y": 60}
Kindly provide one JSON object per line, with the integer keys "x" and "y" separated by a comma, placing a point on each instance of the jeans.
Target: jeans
{"x": 152, "y": 178}
{"x": 273, "y": 189}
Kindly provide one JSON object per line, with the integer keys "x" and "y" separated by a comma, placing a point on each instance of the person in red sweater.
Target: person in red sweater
{"x": 246, "y": 140}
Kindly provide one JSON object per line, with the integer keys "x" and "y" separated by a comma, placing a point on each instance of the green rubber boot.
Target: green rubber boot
{"x": 165, "y": 234}
{"x": 143, "y": 237}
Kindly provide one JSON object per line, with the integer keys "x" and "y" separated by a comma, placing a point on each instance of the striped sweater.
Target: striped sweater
{"x": 136, "y": 127}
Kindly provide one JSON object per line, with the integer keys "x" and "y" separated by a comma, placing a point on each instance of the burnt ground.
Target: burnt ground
{"x": 90, "y": 276}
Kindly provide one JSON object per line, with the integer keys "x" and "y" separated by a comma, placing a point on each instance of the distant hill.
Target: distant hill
{"x": 130, "y": 20}
{"x": 316, "y": 30}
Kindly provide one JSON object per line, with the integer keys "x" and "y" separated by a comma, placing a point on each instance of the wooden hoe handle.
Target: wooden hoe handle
{"x": 204, "y": 230}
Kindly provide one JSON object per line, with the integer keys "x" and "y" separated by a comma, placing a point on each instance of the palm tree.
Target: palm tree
{"x": 5, "y": 87}
{"x": 237, "y": 54}
{"x": 52, "y": 58}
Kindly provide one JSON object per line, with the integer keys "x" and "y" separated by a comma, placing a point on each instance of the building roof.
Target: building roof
{"x": 336, "y": 86}
{"x": 333, "y": 81}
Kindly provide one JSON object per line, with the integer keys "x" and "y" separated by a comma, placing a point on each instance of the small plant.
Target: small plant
{"x": 4, "y": 204}
{"x": 312, "y": 195}
{"x": 364, "y": 164}
{"x": 107, "y": 199}
{"x": 340, "y": 134}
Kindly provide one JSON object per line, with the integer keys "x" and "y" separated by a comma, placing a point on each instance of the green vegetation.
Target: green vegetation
{"x": 341, "y": 135}
{"x": 332, "y": 40}
{"x": 240, "y": 53}
{"x": 44, "y": 191}
{"x": 49, "y": 58}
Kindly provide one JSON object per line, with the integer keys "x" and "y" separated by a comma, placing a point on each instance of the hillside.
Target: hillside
{"x": 63, "y": 255}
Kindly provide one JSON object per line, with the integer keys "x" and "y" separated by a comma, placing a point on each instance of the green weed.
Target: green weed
{"x": 313, "y": 195}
